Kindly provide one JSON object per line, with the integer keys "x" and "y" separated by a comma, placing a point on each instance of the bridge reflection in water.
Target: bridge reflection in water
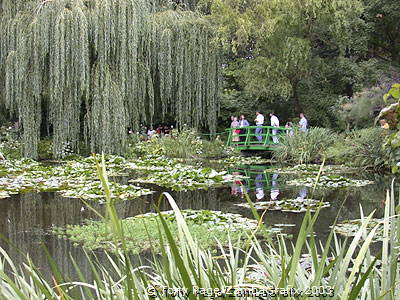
{"x": 258, "y": 180}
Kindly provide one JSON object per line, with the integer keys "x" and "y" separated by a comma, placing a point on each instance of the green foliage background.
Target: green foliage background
{"x": 82, "y": 72}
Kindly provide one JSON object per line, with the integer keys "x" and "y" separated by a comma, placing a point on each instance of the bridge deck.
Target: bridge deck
{"x": 255, "y": 137}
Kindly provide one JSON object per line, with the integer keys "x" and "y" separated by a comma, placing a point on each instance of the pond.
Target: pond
{"x": 26, "y": 219}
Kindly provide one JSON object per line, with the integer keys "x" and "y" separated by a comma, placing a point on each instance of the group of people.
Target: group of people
{"x": 150, "y": 132}
{"x": 239, "y": 131}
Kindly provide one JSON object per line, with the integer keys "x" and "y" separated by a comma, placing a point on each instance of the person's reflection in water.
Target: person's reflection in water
{"x": 236, "y": 185}
{"x": 259, "y": 186}
{"x": 274, "y": 187}
{"x": 302, "y": 194}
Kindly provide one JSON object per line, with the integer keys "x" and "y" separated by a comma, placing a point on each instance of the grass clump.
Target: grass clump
{"x": 304, "y": 147}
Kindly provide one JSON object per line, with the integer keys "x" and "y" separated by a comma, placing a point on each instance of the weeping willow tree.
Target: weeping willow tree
{"x": 88, "y": 69}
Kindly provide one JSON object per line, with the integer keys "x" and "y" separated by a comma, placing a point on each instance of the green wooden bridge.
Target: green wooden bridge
{"x": 251, "y": 139}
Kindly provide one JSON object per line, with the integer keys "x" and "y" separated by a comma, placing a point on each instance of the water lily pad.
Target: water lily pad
{"x": 183, "y": 177}
{"x": 349, "y": 228}
{"x": 314, "y": 169}
{"x": 75, "y": 179}
{"x": 4, "y": 195}
{"x": 329, "y": 181}
{"x": 288, "y": 205}
{"x": 141, "y": 232}
{"x": 240, "y": 160}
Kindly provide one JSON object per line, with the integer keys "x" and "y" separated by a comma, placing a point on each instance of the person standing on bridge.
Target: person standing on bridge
{"x": 235, "y": 132}
{"x": 274, "y": 123}
{"x": 259, "y": 122}
{"x": 243, "y": 123}
{"x": 303, "y": 123}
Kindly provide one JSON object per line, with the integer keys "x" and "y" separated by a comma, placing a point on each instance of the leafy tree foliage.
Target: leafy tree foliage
{"x": 279, "y": 43}
{"x": 88, "y": 70}
{"x": 311, "y": 53}
{"x": 383, "y": 19}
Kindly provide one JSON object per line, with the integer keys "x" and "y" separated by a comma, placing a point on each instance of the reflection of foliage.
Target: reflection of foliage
{"x": 304, "y": 147}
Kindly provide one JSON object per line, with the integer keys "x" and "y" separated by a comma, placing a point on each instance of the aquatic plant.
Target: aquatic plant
{"x": 182, "y": 177}
{"x": 349, "y": 228}
{"x": 74, "y": 179}
{"x": 289, "y": 205}
{"x": 314, "y": 169}
{"x": 329, "y": 181}
{"x": 4, "y": 194}
{"x": 238, "y": 160}
{"x": 209, "y": 228}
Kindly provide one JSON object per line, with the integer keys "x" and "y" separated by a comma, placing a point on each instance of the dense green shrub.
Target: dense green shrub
{"x": 359, "y": 148}
{"x": 304, "y": 147}
{"x": 186, "y": 144}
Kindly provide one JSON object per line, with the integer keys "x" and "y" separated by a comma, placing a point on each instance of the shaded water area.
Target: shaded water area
{"x": 25, "y": 219}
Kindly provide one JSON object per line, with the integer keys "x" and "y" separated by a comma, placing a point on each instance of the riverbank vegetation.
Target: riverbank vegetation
{"x": 362, "y": 148}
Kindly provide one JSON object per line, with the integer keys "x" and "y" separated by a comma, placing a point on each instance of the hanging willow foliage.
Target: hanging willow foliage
{"x": 88, "y": 69}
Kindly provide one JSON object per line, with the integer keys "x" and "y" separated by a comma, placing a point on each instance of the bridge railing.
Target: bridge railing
{"x": 255, "y": 136}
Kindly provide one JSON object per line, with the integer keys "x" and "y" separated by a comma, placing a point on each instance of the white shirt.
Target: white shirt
{"x": 303, "y": 124}
{"x": 274, "y": 121}
{"x": 259, "y": 119}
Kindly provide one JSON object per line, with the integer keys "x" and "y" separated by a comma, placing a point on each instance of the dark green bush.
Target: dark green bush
{"x": 360, "y": 148}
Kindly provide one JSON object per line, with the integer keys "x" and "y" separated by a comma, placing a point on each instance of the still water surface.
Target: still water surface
{"x": 25, "y": 219}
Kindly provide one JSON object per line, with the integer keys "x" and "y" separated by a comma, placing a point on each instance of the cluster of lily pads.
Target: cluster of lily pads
{"x": 75, "y": 179}
{"x": 78, "y": 178}
{"x": 349, "y": 228}
{"x": 330, "y": 181}
{"x": 182, "y": 177}
{"x": 142, "y": 232}
{"x": 4, "y": 194}
{"x": 315, "y": 169}
{"x": 240, "y": 160}
{"x": 289, "y": 205}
